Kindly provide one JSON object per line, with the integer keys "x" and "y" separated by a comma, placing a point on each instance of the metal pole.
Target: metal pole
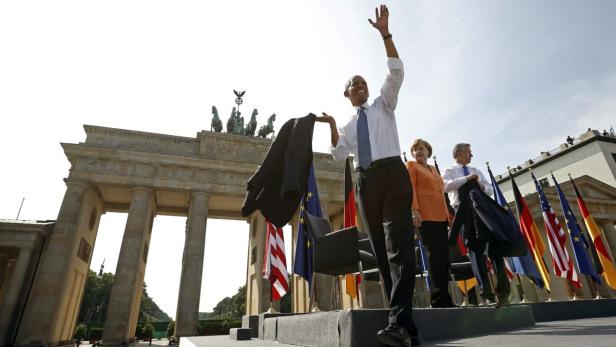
{"x": 20, "y": 206}
{"x": 521, "y": 289}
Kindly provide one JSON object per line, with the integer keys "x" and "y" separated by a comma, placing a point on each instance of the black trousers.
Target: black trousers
{"x": 478, "y": 263}
{"x": 434, "y": 236}
{"x": 385, "y": 197}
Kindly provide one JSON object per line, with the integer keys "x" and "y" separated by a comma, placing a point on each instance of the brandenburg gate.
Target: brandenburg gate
{"x": 145, "y": 175}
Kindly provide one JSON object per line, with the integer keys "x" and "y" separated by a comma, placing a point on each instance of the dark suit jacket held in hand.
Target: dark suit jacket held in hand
{"x": 280, "y": 182}
{"x": 484, "y": 220}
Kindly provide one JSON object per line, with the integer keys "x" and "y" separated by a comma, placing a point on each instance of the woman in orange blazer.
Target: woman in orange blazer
{"x": 430, "y": 217}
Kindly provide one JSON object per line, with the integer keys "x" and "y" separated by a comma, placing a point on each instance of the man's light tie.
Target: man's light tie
{"x": 363, "y": 140}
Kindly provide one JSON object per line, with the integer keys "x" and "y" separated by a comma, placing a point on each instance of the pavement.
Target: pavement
{"x": 591, "y": 332}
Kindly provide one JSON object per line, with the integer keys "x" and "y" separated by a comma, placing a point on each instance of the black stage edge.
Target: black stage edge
{"x": 356, "y": 328}
{"x": 573, "y": 309}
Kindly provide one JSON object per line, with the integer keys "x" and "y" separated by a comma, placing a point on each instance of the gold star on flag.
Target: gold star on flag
{"x": 308, "y": 244}
{"x": 301, "y": 221}
{"x": 309, "y": 195}
{"x": 576, "y": 239}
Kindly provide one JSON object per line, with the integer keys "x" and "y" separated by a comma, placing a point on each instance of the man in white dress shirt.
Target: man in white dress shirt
{"x": 384, "y": 187}
{"x": 455, "y": 177}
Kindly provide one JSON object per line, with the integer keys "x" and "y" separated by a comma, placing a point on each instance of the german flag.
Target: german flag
{"x": 609, "y": 272}
{"x": 350, "y": 220}
{"x": 531, "y": 233}
{"x": 350, "y": 213}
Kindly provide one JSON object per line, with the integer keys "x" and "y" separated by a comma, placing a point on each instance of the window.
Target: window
{"x": 84, "y": 251}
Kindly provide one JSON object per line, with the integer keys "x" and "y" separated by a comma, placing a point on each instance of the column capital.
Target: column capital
{"x": 77, "y": 183}
{"x": 199, "y": 192}
{"x": 28, "y": 248}
{"x": 141, "y": 188}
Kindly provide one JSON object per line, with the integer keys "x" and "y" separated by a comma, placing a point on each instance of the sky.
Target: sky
{"x": 513, "y": 78}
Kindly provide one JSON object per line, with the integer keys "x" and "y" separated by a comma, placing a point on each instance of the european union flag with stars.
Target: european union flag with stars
{"x": 304, "y": 251}
{"x": 579, "y": 242}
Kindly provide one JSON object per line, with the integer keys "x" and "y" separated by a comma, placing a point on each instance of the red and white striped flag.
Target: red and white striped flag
{"x": 275, "y": 262}
{"x": 563, "y": 264}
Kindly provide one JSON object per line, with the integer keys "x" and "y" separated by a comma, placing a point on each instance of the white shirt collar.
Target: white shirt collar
{"x": 461, "y": 166}
{"x": 357, "y": 108}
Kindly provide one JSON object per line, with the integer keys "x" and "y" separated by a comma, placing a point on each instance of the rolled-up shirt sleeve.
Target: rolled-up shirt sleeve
{"x": 393, "y": 82}
{"x": 342, "y": 150}
{"x": 452, "y": 183}
{"x": 487, "y": 184}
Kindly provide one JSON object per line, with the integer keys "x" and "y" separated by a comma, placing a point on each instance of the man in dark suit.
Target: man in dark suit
{"x": 384, "y": 187}
{"x": 459, "y": 179}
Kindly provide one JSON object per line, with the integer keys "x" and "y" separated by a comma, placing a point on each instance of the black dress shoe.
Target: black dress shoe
{"x": 503, "y": 301}
{"x": 394, "y": 335}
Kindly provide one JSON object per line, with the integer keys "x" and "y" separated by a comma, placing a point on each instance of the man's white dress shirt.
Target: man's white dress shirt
{"x": 381, "y": 121}
{"x": 455, "y": 178}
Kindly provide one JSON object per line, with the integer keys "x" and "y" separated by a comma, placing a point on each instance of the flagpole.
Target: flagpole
{"x": 593, "y": 288}
{"x": 545, "y": 286}
{"x": 570, "y": 290}
{"x": 271, "y": 308}
{"x": 313, "y": 297}
{"x": 567, "y": 284}
{"x": 521, "y": 289}
{"x": 20, "y": 206}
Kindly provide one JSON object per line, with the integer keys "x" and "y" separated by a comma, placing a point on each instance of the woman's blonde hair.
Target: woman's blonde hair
{"x": 418, "y": 142}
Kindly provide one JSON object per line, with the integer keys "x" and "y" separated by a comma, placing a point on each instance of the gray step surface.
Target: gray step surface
{"x": 358, "y": 327}
{"x": 573, "y": 309}
{"x": 240, "y": 334}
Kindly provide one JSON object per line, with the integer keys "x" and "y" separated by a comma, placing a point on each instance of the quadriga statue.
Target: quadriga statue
{"x": 216, "y": 122}
{"x": 251, "y": 127}
{"x": 231, "y": 122}
{"x": 269, "y": 128}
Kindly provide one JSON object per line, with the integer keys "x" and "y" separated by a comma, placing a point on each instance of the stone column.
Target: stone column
{"x": 257, "y": 288}
{"x": 44, "y": 315}
{"x": 192, "y": 266}
{"x": 4, "y": 262}
{"x": 13, "y": 291}
{"x": 127, "y": 286}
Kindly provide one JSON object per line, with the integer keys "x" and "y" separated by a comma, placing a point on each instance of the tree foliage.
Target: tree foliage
{"x": 229, "y": 307}
{"x": 96, "y": 299}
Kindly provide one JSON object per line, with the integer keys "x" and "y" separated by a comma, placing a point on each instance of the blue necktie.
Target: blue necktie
{"x": 363, "y": 140}
{"x": 465, "y": 170}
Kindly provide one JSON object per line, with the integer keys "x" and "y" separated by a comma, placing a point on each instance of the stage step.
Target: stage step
{"x": 573, "y": 309}
{"x": 240, "y": 334}
{"x": 358, "y": 327}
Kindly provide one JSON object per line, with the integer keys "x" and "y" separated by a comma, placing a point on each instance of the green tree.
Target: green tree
{"x": 228, "y": 308}
{"x": 171, "y": 328}
{"x": 148, "y": 331}
{"x": 96, "y": 299}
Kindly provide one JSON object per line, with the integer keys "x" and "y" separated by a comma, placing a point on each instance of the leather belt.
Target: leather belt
{"x": 379, "y": 163}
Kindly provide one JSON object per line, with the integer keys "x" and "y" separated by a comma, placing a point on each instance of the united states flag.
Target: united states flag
{"x": 275, "y": 264}
{"x": 563, "y": 264}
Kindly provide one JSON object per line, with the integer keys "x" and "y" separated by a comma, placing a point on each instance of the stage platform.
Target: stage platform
{"x": 358, "y": 327}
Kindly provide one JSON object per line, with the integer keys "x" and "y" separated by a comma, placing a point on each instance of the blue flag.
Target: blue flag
{"x": 578, "y": 241}
{"x": 524, "y": 265}
{"x": 304, "y": 251}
